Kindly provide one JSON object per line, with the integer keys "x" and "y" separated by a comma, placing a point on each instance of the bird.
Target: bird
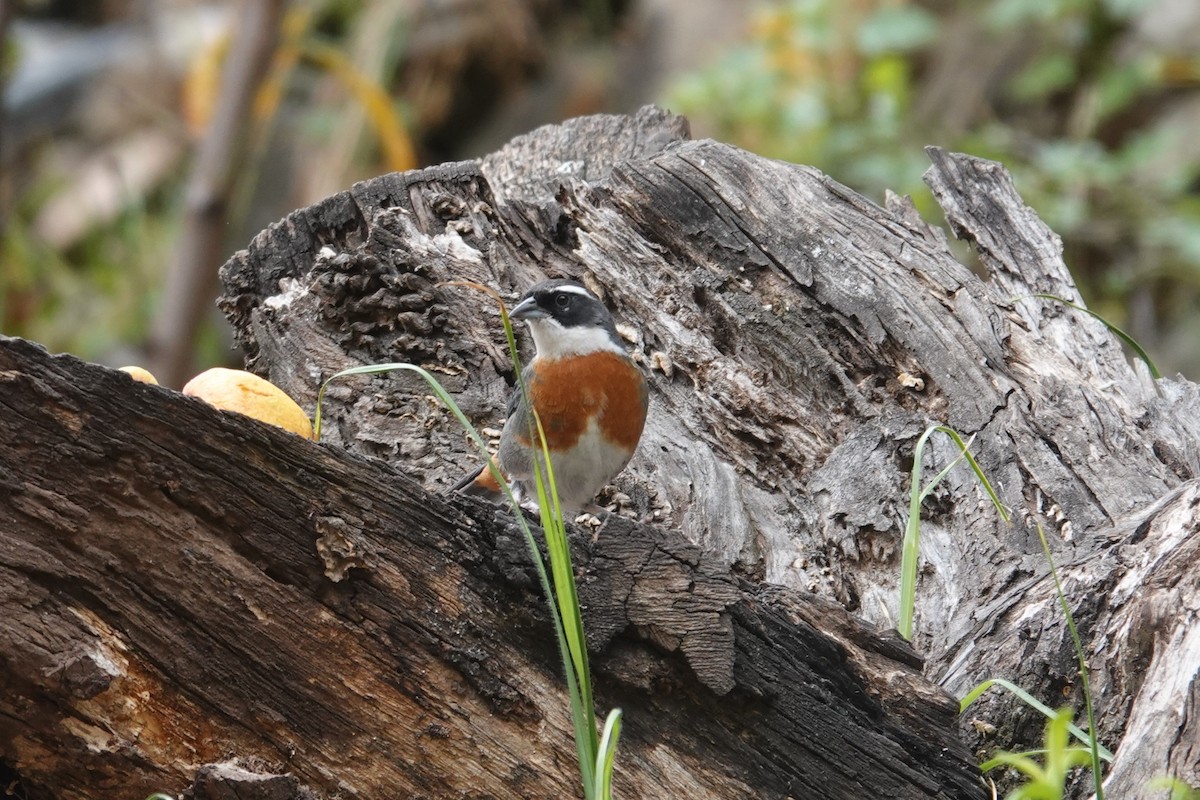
{"x": 590, "y": 396}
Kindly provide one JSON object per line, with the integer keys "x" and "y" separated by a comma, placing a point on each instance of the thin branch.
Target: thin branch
{"x": 191, "y": 283}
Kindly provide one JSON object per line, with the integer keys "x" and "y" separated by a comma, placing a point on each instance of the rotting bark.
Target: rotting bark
{"x": 799, "y": 339}
{"x": 198, "y": 586}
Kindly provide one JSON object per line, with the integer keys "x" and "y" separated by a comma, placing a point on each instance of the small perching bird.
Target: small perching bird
{"x": 589, "y": 395}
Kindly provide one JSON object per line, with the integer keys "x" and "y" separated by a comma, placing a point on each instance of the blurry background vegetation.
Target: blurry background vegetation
{"x": 116, "y": 128}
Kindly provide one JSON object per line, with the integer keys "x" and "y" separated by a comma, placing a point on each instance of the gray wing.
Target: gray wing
{"x": 514, "y": 457}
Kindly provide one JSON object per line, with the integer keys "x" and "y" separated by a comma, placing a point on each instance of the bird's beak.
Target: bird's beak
{"x": 527, "y": 309}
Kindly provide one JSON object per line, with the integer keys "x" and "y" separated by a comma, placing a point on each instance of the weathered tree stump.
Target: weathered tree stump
{"x": 184, "y": 587}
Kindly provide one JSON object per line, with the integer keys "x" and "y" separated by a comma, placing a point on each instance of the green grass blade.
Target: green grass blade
{"x": 1033, "y": 703}
{"x": 564, "y": 600}
{"x": 565, "y": 595}
{"x": 1097, "y": 769}
{"x": 1076, "y": 756}
{"x": 1047, "y": 779}
{"x": 979, "y": 476}
{"x": 596, "y": 754}
{"x": 568, "y": 619}
{"x": 582, "y": 722}
{"x": 575, "y": 656}
{"x": 436, "y": 387}
{"x": 933, "y": 483}
{"x": 606, "y": 755}
{"x": 912, "y": 541}
{"x": 1120, "y": 334}
{"x": 582, "y": 714}
{"x": 554, "y": 526}
{"x": 912, "y": 527}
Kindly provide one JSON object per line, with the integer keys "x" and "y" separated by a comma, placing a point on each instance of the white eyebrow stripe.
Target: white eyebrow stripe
{"x": 573, "y": 290}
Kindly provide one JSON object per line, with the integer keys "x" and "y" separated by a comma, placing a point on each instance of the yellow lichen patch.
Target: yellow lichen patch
{"x": 246, "y": 393}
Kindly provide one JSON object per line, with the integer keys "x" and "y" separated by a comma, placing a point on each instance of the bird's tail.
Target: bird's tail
{"x": 480, "y": 483}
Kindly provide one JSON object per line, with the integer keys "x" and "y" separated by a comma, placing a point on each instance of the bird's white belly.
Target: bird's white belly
{"x": 583, "y": 471}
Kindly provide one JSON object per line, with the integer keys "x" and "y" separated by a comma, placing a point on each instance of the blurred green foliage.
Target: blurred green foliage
{"x": 96, "y": 298}
{"x": 1083, "y": 112}
{"x": 817, "y": 84}
{"x": 1074, "y": 105}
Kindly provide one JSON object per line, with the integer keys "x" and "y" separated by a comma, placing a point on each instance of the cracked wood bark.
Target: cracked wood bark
{"x": 181, "y": 585}
{"x": 777, "y": 311}
{"x": 801, "y": 338}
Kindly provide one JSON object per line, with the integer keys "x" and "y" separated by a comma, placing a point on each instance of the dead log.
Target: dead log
{"x": 802, "y": 338}
{"x": 183, "y": 586}
{"x": 188, "y": 587}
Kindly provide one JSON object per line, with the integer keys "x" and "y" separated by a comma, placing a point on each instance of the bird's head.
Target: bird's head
{"x": 567, "y": 320}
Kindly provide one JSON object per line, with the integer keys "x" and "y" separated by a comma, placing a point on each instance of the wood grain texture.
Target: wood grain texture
{"x": 800, "y": 338}
{"x": 184, "y": 586}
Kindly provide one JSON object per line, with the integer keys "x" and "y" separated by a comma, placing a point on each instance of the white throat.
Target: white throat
{"x": 553, "y": 341}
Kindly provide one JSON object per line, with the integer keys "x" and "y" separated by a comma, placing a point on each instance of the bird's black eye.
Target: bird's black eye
{"x": 562, "y": 300}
